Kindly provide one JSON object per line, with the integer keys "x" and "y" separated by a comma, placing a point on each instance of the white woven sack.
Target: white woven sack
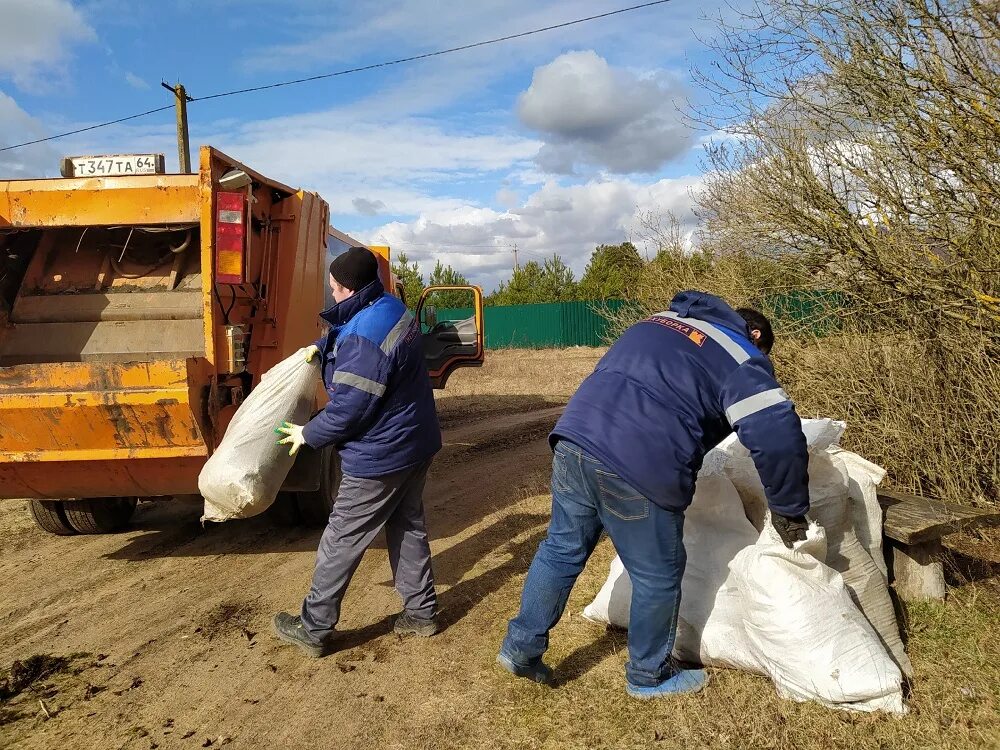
{"x": 711, "y": 627}
{"x": 612, "y": 604}
{"x": 710, "y": 622}
{"x": 243, "y": 476}
{"x": 843, "y": 500}
{"x": 805, "y": 630}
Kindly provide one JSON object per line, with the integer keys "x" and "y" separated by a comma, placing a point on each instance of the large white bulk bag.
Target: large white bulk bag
{"x": 710, "y": 621}
{"x": 612, "y": 604}
{"x": 843, "y": 500}
{"x": 243, "y": 476}
{"x": 805, "y": 630}
{"x": 710, "y": 624}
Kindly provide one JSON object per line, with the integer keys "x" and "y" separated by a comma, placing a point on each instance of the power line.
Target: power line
{"x": 427, "y": 55}
{"x": 89, "y": 127}
{"x": 452, "y": 244}
{"x": 349, "y": 71}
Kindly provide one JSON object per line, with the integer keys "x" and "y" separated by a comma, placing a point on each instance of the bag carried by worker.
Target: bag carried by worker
{"x": 243, "y": 476}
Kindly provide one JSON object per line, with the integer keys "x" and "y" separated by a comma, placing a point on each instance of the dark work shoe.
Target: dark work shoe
{"x": 422, "y": 626}
{"x": 538, "y": 672}
{"x": 289, "y": 629}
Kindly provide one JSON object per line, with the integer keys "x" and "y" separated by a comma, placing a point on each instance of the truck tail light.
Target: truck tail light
{"x": 230, "y": 238}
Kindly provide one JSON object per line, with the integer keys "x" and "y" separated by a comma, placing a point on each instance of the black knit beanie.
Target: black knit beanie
{"x": 355, "y": 268}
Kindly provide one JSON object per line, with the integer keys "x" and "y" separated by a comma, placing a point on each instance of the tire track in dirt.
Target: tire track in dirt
{"x": 499, "y": 433}
{"x": 183, "y": 613}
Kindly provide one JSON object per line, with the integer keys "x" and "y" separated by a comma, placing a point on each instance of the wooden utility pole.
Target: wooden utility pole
{"x": 515, "y": 256}
{"x": 183, "y": 141}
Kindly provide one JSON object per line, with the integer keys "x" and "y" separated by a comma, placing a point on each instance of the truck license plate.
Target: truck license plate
{"x": 116, "y": 165}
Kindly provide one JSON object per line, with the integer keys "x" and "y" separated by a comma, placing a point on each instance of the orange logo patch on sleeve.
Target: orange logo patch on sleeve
{"x": 697, "y": 337}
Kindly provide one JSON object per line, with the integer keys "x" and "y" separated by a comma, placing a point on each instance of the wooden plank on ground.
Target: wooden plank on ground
{"x": 911, "y": 519}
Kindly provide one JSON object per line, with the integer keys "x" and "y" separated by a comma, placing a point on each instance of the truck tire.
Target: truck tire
{"x": 50, "y": 516}
{"x": 100, "y": 515}
{"x": 315, "y": 507}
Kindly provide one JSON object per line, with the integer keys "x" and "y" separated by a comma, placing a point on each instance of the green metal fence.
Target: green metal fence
{"x": 561, "y": 324}
{"x": 813, "y": 311}
{"x": 556, "y": 324}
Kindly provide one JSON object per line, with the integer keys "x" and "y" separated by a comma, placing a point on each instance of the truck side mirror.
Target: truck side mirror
{"x": 430, "y": 316}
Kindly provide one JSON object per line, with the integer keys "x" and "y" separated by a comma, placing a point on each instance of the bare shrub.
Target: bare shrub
{"x": 925, "y": 412}
{"x": 864, "y": 139}
{"x": 860, "y": 164}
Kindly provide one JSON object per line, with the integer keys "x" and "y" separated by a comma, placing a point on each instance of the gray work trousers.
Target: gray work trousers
{"x": 363, "y": 508}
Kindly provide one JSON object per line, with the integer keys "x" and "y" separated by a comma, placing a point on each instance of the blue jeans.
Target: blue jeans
{"x": 586, "y": 498}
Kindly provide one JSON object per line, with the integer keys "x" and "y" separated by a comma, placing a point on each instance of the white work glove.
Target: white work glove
{"x": 310, "y": 351}
{"x": 295, "y": 438}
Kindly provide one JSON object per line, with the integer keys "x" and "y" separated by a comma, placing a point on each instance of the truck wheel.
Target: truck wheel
{"x": 315, "y": 507}
{"x": 100, "y": 515}
{"x": 50, "y": 516}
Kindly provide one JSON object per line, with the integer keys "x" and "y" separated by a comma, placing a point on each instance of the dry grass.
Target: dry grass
{"x": 515, "y": 380}
{"x": 930, "y": 422}
{"x": 550, "y": 373}
{"x": 954, "y": 701}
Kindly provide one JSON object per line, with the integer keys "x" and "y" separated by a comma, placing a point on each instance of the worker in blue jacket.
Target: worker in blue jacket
{"x": 627, "y": 451}
{"x": 382, "y": 419}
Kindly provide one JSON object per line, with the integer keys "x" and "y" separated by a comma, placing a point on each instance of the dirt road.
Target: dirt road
{"x": 171, "y": 622}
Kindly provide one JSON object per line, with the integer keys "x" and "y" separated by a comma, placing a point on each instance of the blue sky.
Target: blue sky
{"x": 555, "y": 143}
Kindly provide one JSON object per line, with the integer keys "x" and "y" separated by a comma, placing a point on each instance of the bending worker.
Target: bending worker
{"x": 627, "y": 451}
{"x": 381, "y": 417}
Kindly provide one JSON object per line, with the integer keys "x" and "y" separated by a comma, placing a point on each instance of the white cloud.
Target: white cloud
{"x": 340, "y": 143}
{"x": 135, "y": 81}
{"x": 570, "y": 221}
{"x": 371, "y": 166}
{"x": 361, "y": 163}
{"x": 17, "y": 126}
{"x": 507, "y": 198}
{"x": 36, "y": 37}
{"x": 597, "y": 115}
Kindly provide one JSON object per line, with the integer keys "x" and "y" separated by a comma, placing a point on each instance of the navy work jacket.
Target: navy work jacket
{"x": 381, "y": 413}
{"x": 671, "y": 388}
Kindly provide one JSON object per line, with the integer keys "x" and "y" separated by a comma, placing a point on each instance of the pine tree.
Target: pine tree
{"x": 445, "y": 275}
{"x": 612, "y": 273}
{"x": 534, "y": 283}
{"x": 413, "y": 281}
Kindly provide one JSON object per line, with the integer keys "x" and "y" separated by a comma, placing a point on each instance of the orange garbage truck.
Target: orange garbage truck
{"x": 136, "y": 313}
